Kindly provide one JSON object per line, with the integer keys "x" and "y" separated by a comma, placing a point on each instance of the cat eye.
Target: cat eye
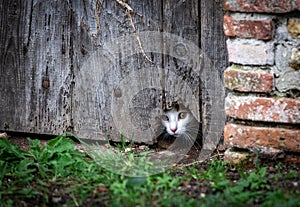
{"x": 165, "y": 118}
{"x": 182, "y": 115}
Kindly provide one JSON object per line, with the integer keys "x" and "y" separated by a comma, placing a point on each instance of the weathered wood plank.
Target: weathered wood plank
{"x": 11, "y": 78}
{"x": 39, "y": 52}
{"x": 115, "y": 103}
{"x": 213, "y": 45}
{"x": 182, "y": 59}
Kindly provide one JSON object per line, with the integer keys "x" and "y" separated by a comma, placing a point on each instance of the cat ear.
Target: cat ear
{"x": 169, "y": 106}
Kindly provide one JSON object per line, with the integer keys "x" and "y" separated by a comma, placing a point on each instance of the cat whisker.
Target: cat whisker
{"x": 189, "y": 138}
{"x": 195, "y": 127}
{"x": 193, "y": 131}
{"x": 193, "y": 139}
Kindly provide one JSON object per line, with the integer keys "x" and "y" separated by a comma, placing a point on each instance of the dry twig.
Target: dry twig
{"x": 130, "y": 10}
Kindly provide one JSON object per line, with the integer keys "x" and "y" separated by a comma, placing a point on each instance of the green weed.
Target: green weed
{"x": 56, "y": 174}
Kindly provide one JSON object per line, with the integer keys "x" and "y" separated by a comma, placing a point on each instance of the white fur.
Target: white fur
{"x": 174, "y": 125}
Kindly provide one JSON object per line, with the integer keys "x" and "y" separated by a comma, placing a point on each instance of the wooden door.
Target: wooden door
{"x": 53, "y": 55}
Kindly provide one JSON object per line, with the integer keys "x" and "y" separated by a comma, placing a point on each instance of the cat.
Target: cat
{"x": 178, "y": 122}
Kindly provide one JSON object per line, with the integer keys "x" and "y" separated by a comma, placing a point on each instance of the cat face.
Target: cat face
{"x": 175, "y": 121}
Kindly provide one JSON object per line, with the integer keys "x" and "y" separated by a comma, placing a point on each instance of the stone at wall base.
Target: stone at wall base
{"x": 237, "y": 156}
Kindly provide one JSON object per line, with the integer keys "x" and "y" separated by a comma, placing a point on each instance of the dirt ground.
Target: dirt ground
{"x": 287, "y": 163}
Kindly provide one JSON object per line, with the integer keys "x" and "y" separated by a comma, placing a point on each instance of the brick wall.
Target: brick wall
{"x": 263, "y": 80}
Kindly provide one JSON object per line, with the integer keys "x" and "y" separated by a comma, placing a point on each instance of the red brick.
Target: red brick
{"x": 280, "y": 110}
{"x": 250, "y": 53}
{"x": 274, "y": 6}
{"x": 250, "y": 136}
{"x": 248, "y": 81}
{"x": 258, "y": 29}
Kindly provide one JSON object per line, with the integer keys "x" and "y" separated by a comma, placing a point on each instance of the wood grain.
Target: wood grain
{"x": 62, "y": 69}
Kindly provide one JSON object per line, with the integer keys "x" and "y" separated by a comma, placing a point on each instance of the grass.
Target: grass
{"x": 57, "y": 174}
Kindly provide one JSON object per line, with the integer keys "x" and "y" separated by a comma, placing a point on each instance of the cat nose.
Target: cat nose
{"x": 173, "y": 129}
